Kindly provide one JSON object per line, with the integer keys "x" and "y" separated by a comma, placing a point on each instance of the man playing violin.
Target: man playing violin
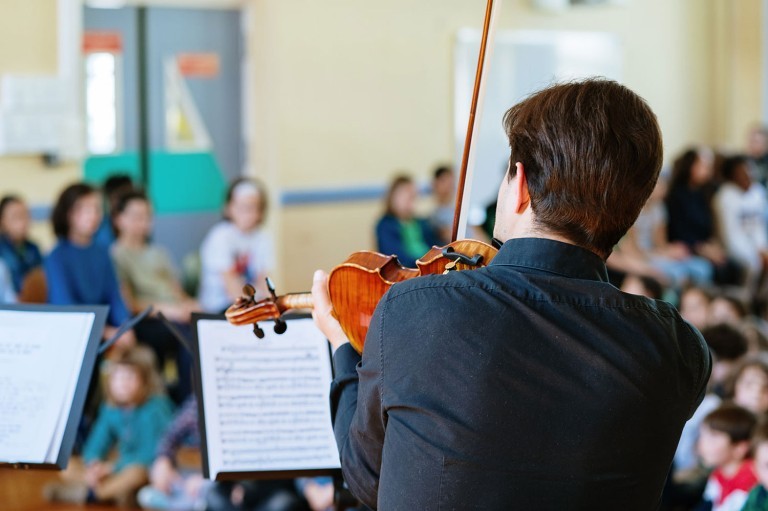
{"x": 531, "y": 383}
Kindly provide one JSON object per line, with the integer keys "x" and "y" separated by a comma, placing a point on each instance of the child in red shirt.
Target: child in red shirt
{"x": 724, "y": 444}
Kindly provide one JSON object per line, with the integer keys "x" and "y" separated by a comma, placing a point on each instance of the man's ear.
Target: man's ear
{"x": 521, "y": 189}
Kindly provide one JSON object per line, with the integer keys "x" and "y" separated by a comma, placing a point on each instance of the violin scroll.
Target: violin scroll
{"x": 246, "y": 310}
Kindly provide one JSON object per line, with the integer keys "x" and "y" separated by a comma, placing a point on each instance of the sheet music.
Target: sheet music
{"x": 41, "y": 354}
{"x": 266, "y": 400}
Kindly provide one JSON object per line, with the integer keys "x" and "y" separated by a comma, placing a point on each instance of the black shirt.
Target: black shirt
{"x": 690, "y": 217}
{"x": 530, "y": 384}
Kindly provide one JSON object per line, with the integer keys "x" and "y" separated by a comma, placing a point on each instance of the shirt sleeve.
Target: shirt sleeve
{"x": 7, "y": 294}
{"x": 121, "y": 266}
{"x": 184, "y": 425}
{"x": 388, "y": 238}
{"x": 118, "y": 312}
{"x": 153, "y": 424}
{"x": 166, "y": 262}
{"x": 736, "y": 241}
{"x": 215, "y": 252}
{"x": 263, "y": 256}
{"x": 704, "y": 368}
{"x": 359, "y": 417}
{"x": 59, "y": 291}
{"x": 430, "y": 234}
{"x": 100, "y": 439}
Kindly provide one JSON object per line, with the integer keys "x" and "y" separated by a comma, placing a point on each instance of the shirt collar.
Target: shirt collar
{"x": 553, "y": 257}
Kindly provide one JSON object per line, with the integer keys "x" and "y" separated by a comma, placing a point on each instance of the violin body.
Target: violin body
{"x": 356, "y": 286}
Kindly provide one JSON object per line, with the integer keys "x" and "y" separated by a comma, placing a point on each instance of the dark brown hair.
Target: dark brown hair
{"x": 758, "y": 361}
{"x": 441, "y": 171}
{"x": 6, "y": 201}
{"x": 121, "y": 203}
{"x": 64, "y": 205}
{"x": 592, "y": 152}
{"x": 396, "y": 183}
{"x": 682, "y": 166}
{"x": 760, "y": 435}
{"x": 730, "y": 164}
{"x": 733, "y": 420}
{"x": 116, "y": 184}
{"x": 725, "y": 342}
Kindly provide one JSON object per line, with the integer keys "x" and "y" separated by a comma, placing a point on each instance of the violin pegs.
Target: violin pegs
{"x": 257, "y": 331}
{"x": 249, "y": 291}
{"x": 280, "y": 326}
{"x": 271, "y": 288}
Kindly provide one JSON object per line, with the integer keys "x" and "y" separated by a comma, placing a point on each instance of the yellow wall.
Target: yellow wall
{"x": 737, "y": 74}
{"x": 347, "y": 92}
{"x": 28, "y": 45}
{"x": 28, "y": 34}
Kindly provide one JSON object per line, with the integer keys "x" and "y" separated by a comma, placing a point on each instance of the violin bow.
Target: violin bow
{"x": 461, "y": 212}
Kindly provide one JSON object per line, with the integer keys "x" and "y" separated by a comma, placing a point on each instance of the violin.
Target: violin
{"x": 357, "y": 285}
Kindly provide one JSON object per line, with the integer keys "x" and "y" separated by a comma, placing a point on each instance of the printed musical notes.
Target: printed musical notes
{"x": 266, "y": 400}
{"x": 41, "y": 354}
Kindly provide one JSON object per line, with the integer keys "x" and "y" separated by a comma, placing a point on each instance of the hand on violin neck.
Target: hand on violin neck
{"x": 322, "y": 312}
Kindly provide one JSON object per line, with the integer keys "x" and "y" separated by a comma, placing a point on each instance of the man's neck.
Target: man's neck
{"x": 525, "y": 226}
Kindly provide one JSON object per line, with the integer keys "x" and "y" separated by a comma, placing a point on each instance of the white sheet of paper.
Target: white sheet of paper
{"x": 41, "y": 354}
{"x": 266, "y": 400}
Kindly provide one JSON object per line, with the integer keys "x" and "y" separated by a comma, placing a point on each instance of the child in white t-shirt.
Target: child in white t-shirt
{"x": 236, "y": 251}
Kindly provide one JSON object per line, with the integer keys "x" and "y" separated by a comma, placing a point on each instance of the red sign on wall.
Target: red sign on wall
{"x": 198, "y": 65}
{"x": 102, "y": 41}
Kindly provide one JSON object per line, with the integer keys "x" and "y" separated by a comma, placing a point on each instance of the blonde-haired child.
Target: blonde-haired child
{"x": 132, "y": 419}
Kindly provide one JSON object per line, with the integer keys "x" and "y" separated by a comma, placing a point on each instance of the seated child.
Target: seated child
{"x": 148, "y": 277}
{"x": 317, "y": 491}
{"x": 758, "y": 497}
{"x": 643, "y": 286}
{"x": 132, "y": 420}
{"x": 730, "y": 306}
{"x": 169, "y": 488}
{"x": 727, "y": 346}
{"x": 694, "y": 306}
{"x": 750, "y": 385}
{"x": 174, "y": 489}
{"x": 79, "y": 271}
{"x": 18, "y": 253}
{"x": 724, "y": 446}
{"x": 237, "y": 250}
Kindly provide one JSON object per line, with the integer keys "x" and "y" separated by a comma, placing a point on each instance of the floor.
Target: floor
{"x": 22, "y": 491}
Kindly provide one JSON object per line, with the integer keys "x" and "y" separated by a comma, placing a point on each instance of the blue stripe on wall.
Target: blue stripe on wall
{"x": 296, "y": 197}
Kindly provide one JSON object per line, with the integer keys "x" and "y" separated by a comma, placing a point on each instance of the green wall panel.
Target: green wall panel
{"x": 96, "y": 169}
{"x": 185, "y": 182}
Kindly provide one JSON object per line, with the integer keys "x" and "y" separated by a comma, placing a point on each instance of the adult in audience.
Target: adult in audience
{"x": 741, "y": 207}
{"x": 691, "y": 219}
{"x": 444, "y": 193}
{"x": 399, "y": 231}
